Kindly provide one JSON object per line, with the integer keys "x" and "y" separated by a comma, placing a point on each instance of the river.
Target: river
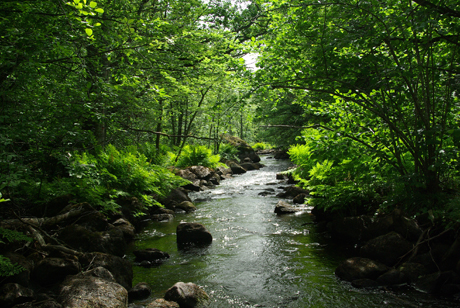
{"x": 259, "y": 259}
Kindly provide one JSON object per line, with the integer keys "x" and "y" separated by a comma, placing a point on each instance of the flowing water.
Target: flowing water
{"x": 259, "y": 259}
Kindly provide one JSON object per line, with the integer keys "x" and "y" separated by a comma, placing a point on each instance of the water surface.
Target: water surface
{"x": 259, "y": 259}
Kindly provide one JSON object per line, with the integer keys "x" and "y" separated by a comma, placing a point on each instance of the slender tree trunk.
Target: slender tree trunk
{"x": 159, "y": 126}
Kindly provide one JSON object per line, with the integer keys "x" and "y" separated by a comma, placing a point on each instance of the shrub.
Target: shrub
{"x": 261, "y": 146}
{"x": 156, "y": 156}
{"x": 228, "y": 151}
{"x": 6, "y": 267}
{"x": 339, "y": 177}
{"x": 198, "y": 155}
{"x": 113, "y": 173}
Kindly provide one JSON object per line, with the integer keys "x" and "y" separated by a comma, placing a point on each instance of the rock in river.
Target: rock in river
{"x": 360, "y": 268}
{"x": 285, "y": 208}
{"x": 187, "y": 295}
{"x": 192, "y": 234}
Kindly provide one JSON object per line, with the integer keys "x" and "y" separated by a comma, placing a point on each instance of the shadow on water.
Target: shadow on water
{"x": 259, "y": 259}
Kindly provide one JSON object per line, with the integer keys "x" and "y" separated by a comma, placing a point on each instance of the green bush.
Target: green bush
{"x": 113, "y": 173}
{"x": 6, "y": 267}
{"x": 156, "y": 156}
{"x": 338, "y": 177}
{"x": 261, "y": 146}
{"x": 228, "y": 151}
{"x": 198, "y": 155}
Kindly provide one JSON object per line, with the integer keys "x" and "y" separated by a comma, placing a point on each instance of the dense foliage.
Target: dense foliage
{"x": 77, "y": 76}
{"x": 198, "y": 155}
{"x": 97, "y": 98}
{"x": 378, "y": 84}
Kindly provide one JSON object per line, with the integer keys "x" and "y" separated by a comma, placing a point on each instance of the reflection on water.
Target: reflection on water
{"x": 258, "y": 259}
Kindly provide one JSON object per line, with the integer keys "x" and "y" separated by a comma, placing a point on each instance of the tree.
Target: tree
{"x": 79, "y": 75}
{"x": 383, "y": 74}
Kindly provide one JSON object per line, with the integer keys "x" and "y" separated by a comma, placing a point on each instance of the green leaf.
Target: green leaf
{"x": 93, "y": 4}
{"x": 89, "y": 32}
{"x": 99, "y": 10}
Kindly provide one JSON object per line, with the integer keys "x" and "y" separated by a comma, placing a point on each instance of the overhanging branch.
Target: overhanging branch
{"x": 167, "y": 135}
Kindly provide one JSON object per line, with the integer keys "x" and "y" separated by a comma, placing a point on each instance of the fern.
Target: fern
{"x": 228, "y": 151}
{"x": 198, "y": 155}
{"x": 7, "y": 268}
{"x": 101, "y": 179}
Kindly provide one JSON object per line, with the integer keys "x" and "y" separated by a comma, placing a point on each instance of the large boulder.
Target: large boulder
{"x": 360, "y": 268}
{"x": 140, "y": 291}
{"x": 388, "y": 249}
{"x": 12, "y": 294}
{"x": 245, "y": 151}
{"x": 192, "y": 234}
{"x": 281, "y": 154}
{"x": 282, "y": 208}
{"x": 53, "y": 270}
{"x": 121, "y": 269}
{"x": 187, "y": 174}
{"x": 201, "y": 172}
{"x": 300, "y": 198}
{"x": 82, "y": 239}
{"x": 444, "y": 283}
{"x": 215, "y": 179}
{"x": 162, "y": 303}
{"x": 236, "y": 168}
{"x": 392, "y": 277}
{"x": 175, "y": 197}
{"x": 352, "y": 229}
{"x": 411, "y": 271}
{"x": 186, "y": 206}
{"x": 293, "y": 191}
{"x": 249, "y": 166}
{"x": 95, "y": 288}
{"x": 406, "y": 227}
{"x": 150, "y": 255}
{"x": 406, "y": 273}
{"x": 224, "y": 172}
{"x": 92, "y": 219}
{"x": 187, "y": 295}
{"x": 129, "y": 231}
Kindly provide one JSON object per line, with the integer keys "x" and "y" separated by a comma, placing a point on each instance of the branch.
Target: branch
{"x": 301, "y": 127}
{"x": 444, "y": 10}
{"x": 167, "y": 135}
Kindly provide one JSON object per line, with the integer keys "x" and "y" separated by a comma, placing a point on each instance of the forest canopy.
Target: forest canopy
{"x": 363, "y": 94}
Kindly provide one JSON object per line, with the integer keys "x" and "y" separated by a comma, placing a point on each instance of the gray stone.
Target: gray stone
{"x": 53, "y": 270}
{"x": 192, "y": 234}
{"x": 121, "y": 269}
{"x": 93, "y": 289}
{"x": 140, "y": 291}
{"x": 162, "y": 303}
{"x": 282, "y": 208}
{"x": 187, "y": 295}
{"x": 360, "y": 268}
{"x": 150, "y": 254}
{"x": 12, "y": 294}
{"x": 186, "y": 206}
{"x": 388, "y": 249}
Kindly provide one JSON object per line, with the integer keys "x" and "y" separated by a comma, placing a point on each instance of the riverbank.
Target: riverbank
{"x": 257, "y": 257}
{"x": 80, "y": 248}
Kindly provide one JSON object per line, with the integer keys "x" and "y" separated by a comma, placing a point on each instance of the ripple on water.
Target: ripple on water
{"x": 258, "y": 259}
